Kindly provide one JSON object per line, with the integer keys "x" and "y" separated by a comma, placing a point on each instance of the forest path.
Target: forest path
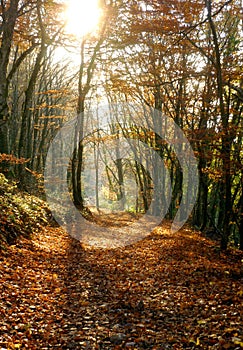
{"x": 168, "y": 291}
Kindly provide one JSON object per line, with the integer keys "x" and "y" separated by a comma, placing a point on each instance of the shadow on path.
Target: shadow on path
{"x": 168, "y": 291}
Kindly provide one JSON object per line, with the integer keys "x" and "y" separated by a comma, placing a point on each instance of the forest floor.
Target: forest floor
{"x": 167, "y": 291}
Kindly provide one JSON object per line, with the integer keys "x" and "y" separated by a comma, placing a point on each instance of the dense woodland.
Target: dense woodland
{"x": 181, "y": 58}
{"x": 153, "y": 64}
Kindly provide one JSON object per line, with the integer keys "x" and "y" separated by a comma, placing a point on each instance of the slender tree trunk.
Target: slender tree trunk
{"x": 96, "y": 161}
{"x": 241, "y": 217}
{"x": 9, "y": 17}
{"x": 86, "y": 72}
{"x": 226, "y": 144}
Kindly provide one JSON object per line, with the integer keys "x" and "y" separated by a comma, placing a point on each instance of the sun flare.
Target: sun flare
{"x": 82, "y": 16}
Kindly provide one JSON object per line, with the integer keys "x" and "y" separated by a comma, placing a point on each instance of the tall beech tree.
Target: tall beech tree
{"x": 9, "y": 15}
{"x": 90, "y": 49}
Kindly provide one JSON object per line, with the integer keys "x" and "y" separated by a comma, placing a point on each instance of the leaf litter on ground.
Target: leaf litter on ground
{"x": 167, "y": 291}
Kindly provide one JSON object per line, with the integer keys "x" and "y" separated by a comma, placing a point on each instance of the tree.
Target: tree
{"x": 88, "y": 55}
{"x": 9, "y": 15}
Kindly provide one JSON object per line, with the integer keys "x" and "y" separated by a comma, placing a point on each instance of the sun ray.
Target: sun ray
{"x": 82, "y": 17}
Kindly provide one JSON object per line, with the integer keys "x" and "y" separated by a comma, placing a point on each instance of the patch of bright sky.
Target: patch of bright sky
{"x": 81, "y": 18}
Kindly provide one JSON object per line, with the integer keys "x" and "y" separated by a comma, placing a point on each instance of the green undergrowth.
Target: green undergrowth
{"x": 21, "y": 214}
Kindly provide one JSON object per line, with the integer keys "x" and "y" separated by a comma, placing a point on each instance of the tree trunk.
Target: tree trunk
{"x": 226, "y": 144}
{"x": 9, "y": 17}
{"x": 241, "y": 217}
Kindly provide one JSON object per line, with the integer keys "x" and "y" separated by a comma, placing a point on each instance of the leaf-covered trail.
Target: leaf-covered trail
{"x": 169, "y": 291}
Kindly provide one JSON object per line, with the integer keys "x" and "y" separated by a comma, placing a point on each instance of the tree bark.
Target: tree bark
{"x": 226, "y": 142}
{"x": 9, "y": 17}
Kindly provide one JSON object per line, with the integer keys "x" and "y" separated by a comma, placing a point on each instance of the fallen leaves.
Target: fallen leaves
{"x": 169, "y": 291}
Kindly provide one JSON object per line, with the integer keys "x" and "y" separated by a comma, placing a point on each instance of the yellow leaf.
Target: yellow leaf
{"x": 237, "y": 341}
{"x": 197, "y": 342}
{"x": 201, "y": 321}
